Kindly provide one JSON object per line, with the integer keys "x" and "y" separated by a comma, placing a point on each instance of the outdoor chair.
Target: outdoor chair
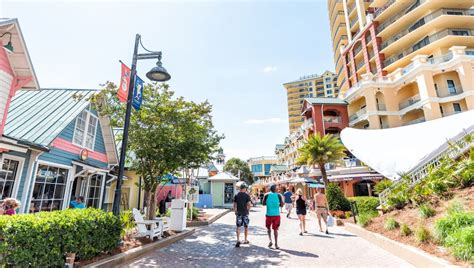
{"x": 147, "y": 228}
{"x": 165, "y": 221}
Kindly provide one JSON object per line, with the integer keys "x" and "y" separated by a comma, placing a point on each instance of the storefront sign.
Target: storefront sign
{"x": 84, "y": 154}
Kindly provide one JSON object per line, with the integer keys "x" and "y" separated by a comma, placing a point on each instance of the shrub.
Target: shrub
{"x": 391, "y": 224}
{"x": 127, "y": 221}
{"x": 405, "y": 230}
{"x": 426, "y": 211}
{"x": 422, "y": 234}
{"x": 195, "y": 213}
{"x": 348, "y": 214}
{"x": 336, "y": 199}
{"x": 461, "y": 244}
{"x": 453, "y": 222}
{"x": 365, "y": 219}
{"x": 366, "y": 204}
{"x": 382, "y": 185}
{"x": 43, "y": 239}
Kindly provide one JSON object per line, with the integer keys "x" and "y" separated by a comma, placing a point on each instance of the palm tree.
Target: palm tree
{"x": 319, "y": 150}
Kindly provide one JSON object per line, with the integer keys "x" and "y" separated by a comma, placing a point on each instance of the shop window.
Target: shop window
{"x": 48, "y": 192}
{"x": 7, "y": 177}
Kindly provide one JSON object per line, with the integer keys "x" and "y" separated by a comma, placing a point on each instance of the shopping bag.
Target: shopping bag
{"x": 330, "y": 220}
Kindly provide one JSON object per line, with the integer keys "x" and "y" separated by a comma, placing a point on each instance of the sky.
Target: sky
{"x": 236, "y": 54}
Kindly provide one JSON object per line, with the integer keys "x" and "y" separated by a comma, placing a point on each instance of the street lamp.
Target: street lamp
{"x": 157, "y": 74}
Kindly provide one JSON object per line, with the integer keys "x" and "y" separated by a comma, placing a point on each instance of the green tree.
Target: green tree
{"x": 168, "y": 133}
{"x": 234, "y": 165}
{"x": 320, "y": 150}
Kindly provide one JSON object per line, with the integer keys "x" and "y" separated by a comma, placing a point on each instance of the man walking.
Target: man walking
{"x": 273, "y": 201}
{"x": 242, "y": 203}
{"x": 288, "y": 201}
{"x": 321, "y": 209}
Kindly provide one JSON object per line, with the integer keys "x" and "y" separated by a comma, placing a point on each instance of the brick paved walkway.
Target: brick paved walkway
{"x": 213, "y": 246}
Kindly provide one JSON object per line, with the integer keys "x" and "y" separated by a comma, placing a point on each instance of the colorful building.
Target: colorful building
{"x": 318, "y": 86}
{"x": 261, "y": 166}
{"x": 403, "y": 62}
{"x": 70, "y": 150}
{"x": 324, "y": 116}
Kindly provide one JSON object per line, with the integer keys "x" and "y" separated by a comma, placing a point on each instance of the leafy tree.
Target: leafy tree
{"x": 168, "y": 133}
{"x": 319, "y": 150}
{"x": 234, "y": 165}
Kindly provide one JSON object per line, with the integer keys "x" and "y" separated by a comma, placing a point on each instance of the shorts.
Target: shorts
{"x": 288, "y": 206}
{"x": 242, "y": 220}
{"x": 301, "y": 212}
{"x": 272, "y": 222}
{"x": 323, "y": 212}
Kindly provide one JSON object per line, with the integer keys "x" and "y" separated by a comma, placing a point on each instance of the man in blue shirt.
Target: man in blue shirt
{"x": 288, "y": 201}
{"x": 78, "y": 203}
{"x": 273, "y": 201}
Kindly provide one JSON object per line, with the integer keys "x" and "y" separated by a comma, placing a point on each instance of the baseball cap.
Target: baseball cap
{"x": 243, "y": 186}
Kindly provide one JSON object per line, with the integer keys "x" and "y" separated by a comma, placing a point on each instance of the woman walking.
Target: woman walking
{"x": 301, "y": 210}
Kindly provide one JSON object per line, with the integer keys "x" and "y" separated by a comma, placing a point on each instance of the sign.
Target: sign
{"x": 124, "y": 83}
{"x": 137, "y": 93}
{"x": 84, "y": 154}
{"x": 192, "y": 194}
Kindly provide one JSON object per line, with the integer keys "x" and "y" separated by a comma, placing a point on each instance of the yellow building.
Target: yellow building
{"x": 404, "y": 62}
{"x": 317, "y": 86}
{"x": 288, "y": 153}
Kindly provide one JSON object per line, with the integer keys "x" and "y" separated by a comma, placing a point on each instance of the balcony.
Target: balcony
{"x": 416, "y": 121}
{"x": 354, "y": 21}
{"x": 409, "y": 102}
{"x": 450, "y": 113}
{"x": 428, "y": 40}
{"x": 358, "y": 115}
{"x": 341, "y": 26}
{"x": 422, "y": 22}
{"x": 332, "y": 119}
{"x": 448, "y": 92}
{"x": 379, "y": 10}
{"x": 334, "y": 17}
{"x": 360, "y": 65}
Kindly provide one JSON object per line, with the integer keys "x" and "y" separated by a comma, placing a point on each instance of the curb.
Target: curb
{"x": 134, "y": 253}
{"x": 413, "y": 255}
{"x": 211, "y": 220}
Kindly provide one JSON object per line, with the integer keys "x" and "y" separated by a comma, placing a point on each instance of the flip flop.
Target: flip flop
{"x": 246, "y": 242}
{"x": 270, "y": 245}
{"x": 277, "y": 247}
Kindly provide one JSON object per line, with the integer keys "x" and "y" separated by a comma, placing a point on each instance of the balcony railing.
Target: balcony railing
{"x": 360, "y": 64}
{"x": 332, "y": 119}
{"x": 432, "y": 38}
{"x": 416, "y": 25}
{"x": 447, "y": 92}
{"x": 409, "y": 102}
{"x": 308, "y": 123}
{"x": 450, "y": 113}
{"x": 379, "y": 10}
{"x": 337, "y": 14}
{"x": 353, "y": 21}
{"x": 350, "y": 8}
{"x": 358, "y": 114}
{"x": 416, "y": 121}
{"x": 341, "y": 26}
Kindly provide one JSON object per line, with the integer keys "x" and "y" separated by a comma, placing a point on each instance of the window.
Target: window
{"x": 421, "y": 44}
{"x": 457, "y": 107}
{"x": 310, "y": 83}
{"x": 441, "y": 109}
{"x": 417, "y": 25}
{"x": 451, "y": 87}
{"x": 93, "y": 191}
{"x": 310, "y": 89}
{"x": 7, "y": 177}
{"x": 329, "y": 92}
{"x": 328, "y": 79}
{"x": 267, "y": 169}
{"x": 328, "y": 86}
{"x": 461, "y": 32}
{"x": 85, "y": 130}
{"x": 454, "y": 13}
{"x": 256, "y": 168}
{"x": 48, "y": 192}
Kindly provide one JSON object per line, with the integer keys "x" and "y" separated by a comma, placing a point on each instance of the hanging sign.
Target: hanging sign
{"x": 84, "y": 154}
{"x": 192, "y": 194}
{"x": 124, "y": 83}
{"x": 137, "y": 93}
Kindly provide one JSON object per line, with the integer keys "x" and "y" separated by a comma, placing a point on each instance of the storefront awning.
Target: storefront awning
{"x": 349, "y": 177}
{"x": 316, "y": 185}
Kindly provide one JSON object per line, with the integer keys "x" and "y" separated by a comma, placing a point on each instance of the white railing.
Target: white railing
{"x": 447, "y": 92}
{"x": 416, "y": 121}
{"x": 358, "y": 114}
{"x": 408, "y": 102}
{"x": 453, "y": 148}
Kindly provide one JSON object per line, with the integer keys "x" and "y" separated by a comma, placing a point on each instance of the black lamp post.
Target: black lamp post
{"x": 158, "y": 74}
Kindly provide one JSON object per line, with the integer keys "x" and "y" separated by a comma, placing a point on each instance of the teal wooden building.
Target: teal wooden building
{"x": 61, "y": 148}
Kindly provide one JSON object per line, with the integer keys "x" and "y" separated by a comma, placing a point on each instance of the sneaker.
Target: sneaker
{"x": 237, "y": 245}
{"x": 301, "y": 233}
{"x": 270, "y": 244}
{"x": 327, "y": 232}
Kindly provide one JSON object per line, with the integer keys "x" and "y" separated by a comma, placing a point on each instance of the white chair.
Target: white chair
{"x": 164, "y": 220}
{"x": 147, "y": 228}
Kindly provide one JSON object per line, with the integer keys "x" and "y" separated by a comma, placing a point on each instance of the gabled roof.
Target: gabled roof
{"x": 224, "y": 176}
{"x": 40, "y": 116}
{"x": 19, "y": 59}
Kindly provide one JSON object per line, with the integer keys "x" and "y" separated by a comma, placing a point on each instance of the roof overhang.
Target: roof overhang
{"x": 20, "y": 60}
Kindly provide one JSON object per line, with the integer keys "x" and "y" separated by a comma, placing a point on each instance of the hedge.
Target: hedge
{"x": 336, "y": 199}
{"x": 366, "y": 204}
{"x": 43, "y": 239}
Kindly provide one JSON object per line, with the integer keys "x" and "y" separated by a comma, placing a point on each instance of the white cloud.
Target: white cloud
{"x": 269, "y": 69}
{"x": 274, "y": 120}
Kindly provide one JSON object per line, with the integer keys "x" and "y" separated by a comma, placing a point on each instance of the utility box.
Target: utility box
{"x": 179, "y": 208}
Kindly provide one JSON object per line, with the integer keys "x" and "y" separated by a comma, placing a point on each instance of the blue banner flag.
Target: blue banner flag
{"x": 137, "y": 93}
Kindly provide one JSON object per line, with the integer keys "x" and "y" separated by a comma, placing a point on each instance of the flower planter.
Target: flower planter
{"x": 70, "y": 258}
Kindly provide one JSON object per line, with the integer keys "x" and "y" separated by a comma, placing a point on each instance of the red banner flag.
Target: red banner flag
{"x": 124, "y": 84}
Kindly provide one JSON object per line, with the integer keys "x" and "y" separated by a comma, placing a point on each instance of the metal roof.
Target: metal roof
{"x": 326, "y": 101}
{"x": 40, "y": 116}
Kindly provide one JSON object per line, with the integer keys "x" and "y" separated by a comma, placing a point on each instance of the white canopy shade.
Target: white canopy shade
{"x": 398, "y": 150}
{"x": 224, "y": 176}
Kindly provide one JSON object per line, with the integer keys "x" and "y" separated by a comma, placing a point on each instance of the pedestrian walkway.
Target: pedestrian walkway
{"x": 213, "y": 246}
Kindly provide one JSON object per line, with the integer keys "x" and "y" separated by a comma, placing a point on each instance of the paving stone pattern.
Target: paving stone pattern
{"x": 213, "y": 246}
